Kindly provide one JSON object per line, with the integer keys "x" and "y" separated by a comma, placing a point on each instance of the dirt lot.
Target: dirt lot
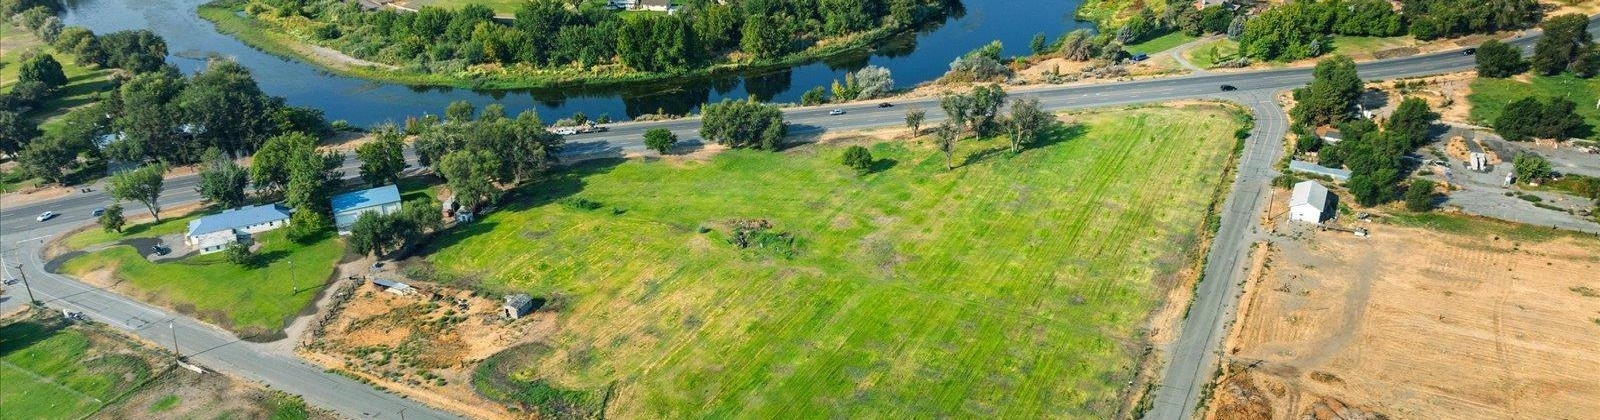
{"x": 424, "y": 345}
{"x": 1488, "y": 322}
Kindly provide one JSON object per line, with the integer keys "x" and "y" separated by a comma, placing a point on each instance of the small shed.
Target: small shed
{"x": 392, "y": 286}
{"x": 1309, "y": 202}
{"x": 1337, "y": 174}
{"x": 517, "y": 305}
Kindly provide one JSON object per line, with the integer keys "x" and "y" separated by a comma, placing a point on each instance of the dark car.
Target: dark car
{"x": 1469, "y": 51}
{"x": 885, "y": 105}
{"x": 1229, "y": 88}
{"x": 98, "y": 212}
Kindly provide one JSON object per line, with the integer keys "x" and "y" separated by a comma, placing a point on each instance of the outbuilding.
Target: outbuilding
{"x": 349, "y": 206}
{"x": 517, "y": 305}
{"x": 1309, "y": 202}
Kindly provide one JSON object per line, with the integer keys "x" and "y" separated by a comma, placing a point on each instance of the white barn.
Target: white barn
{"x": 1309, "y": 202}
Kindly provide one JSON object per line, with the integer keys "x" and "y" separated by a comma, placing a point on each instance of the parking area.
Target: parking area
{"x": 1487, "y": 193}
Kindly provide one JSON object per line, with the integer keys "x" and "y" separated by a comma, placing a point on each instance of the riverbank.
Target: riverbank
{"x": 230, "y": 19}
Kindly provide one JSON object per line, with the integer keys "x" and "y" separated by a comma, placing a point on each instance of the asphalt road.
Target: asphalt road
{"x": 1192, "y": 355}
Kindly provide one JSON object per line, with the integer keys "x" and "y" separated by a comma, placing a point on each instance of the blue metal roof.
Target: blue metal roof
{"x": 1308, "y": 167}
{"x": 366, "y": 198}
{"x": 236, "y": 218}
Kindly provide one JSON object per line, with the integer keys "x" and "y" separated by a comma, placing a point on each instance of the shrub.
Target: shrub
{"x": 858, "y": 158}
{"x": 1419, "y": 197}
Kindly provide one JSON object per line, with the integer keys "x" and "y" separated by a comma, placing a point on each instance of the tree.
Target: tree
{"x": 1530, "y": 168}
{"x": 660, "y": 140}
{"x": 1499, "y": 60}
{"x": 47, "y": 158}
{"x": 269, "y": 169}
{"x": 238, "y": 253}
{"x": 1566, "y": 37}
{"x": 858, "y": 159}
{"x": 945, "y": 139}
{"x": 872, "y": 82}
{"x": 1028, "y": 121}
{"x": 1529, "y": 118}
{"x": 230, "y": 111}
{"x": 1411, "y": 121}
{"x": 459, "y": 112}
{"x": 1419, "y": 196}
{"x": 312, "y": 175}
{"x": 1038, "y": 44}
{"x": 814, "y": 96}
{"x": 914, "y": 117}
{"x": 375, "y": 233}
{"x": 957, "y": 108}
{"x": 743, "y": 124}
{"x": 150, "y": 116}
{"x": 111, "y": 219}
{"x": 383, "y": 158}
{"x": 142, "y": 185}
{"x": 763, "y": 37}
{"x": 986, "y": 103}
{"x": 222, "y": 181}
{"x": 15, "y": 131}
{"x": 1328, "y": 98}
{"x": 42, "y": 68}
{"x": 470, "y": 175}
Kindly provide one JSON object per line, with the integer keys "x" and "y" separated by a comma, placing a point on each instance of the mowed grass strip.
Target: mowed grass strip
{"x": 1013, "y": 286}
{"x": 246, "y": 300}
{"x": 48, "y": 372}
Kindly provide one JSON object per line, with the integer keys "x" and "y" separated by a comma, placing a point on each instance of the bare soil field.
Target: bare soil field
{"x": 424, "y": 345}
{"x": 1475, "y": 320}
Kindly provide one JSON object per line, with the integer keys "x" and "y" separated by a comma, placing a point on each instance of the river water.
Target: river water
{"x": 912, "y": 58}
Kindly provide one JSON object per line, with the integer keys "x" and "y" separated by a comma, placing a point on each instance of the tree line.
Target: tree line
{"x": 1372, "y": 153}
{"x": 553, "y": 34}
{"x": 1566, "y": 47}
{"x": 1303, "y": 28}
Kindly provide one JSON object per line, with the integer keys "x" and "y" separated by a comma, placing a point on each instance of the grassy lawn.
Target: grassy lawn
{"x": 1207, "y": 55}
{"x": 48, "y": 371}
{"x": 1013, "y": 286}
{"x": 245, "y": 300}
{"x": 1162, "y": 43}
{"x": 1490, "y": 96}
{"x": 82, "y": 82}
{"x": 149, "y": 229}
{"x": 500, "y": 7}
{"x": 1355, "y": 45}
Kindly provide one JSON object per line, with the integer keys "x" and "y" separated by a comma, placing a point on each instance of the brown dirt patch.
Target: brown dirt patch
{"x": 1412, "y": 323}
{"x": 424, "y": 345}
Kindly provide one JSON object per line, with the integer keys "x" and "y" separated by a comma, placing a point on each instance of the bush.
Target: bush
{"x": 238, "y": 253}
{"x": 1419, "y": 196}
{"x": 1498, "y": 59}
{"x": 858, "y": 158}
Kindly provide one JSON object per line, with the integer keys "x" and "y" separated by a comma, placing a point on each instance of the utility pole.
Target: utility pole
{"x": 25, "y": 285}
{"x": 177, "y": 354}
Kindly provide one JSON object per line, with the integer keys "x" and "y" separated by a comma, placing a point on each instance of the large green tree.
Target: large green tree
{"x": 42, "y": 68}
{"x": 1498, "y": 59}
{"x": 142, "y": 185}
{"x": 470, "y": 176}
{"x": 226, "y": 108}
{"x": 743, "y": 124}
{"x": 1566, "y": 38}
{"x": 15, "y": 131}
{"x": 1331, "y": 94}
{"x": 222, "y": 182}
{"x": 150, "y": 117}
{"x": 1028, "y": 122}
{"x": 1411, "y": 122}
{"x": 660, "y": 140}
{"x": 47, "y": 158}
{"x": 383, "y": 158}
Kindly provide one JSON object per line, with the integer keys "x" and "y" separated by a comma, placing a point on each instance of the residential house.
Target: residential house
{"x": 351, "y": 205}
{"x": 215, "y": 232}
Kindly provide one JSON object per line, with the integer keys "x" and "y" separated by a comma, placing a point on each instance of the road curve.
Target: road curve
{"x": 21, "y": 238}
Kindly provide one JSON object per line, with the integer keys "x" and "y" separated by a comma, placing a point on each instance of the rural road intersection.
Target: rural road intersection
{"x": 1192, "y": 357}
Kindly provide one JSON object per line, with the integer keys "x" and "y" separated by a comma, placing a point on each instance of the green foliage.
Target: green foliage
{"x": 1531, "y": 118}
{"x": 376, "y": 234}
{"x": 1331, "y": 94}
{"x": 470, "y": 175}
{"x": 1411, "y": 122}
{"x": 660, "y": 140}
{"x": 238, "y": 253}
{"x": 814, "y": 96}
{"x": 42, "y": 68}
{"x": 142, "y": 185}
{"x": 857, "y": 158}
{"x": 222, "y": 182}
{"x": 1531, "y": 168}
{"x": 1429, "y": 19}
{"x": 1420, "y": 195}
{"x": 383, "y": 158}
{"x": 914, "y": 119}
{"x": 1039, "y": 44}
{"x": 312, "y": 175}
{"x": 1498, "y": 59}
{"x": 306, "y": 227}
{"x": 48, "y": 158}
{"x": 1028, "y": 123}
{"x": 225, "y": 100}
{"x": 15, "y": 131}
{"x": 741, "y": 124}
{"x": 1564, "y": 46}
{"x": 111, "y": 219}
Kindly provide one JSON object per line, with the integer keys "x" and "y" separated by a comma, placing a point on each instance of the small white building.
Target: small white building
{"x": 349, "y": 206}
{"x": 215, "y": 232}
{"x": 1309, "y": 202}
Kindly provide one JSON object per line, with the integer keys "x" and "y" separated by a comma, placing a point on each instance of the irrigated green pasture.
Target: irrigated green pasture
{"x": 1013, "y": 286}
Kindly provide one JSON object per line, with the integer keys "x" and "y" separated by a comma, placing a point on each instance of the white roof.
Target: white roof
{"x": 1309, "y": 193}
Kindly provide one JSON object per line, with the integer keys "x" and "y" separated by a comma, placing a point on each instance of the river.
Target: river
{"x": 912, "y": 59}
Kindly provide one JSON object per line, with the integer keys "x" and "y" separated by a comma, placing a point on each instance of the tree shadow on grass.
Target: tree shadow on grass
{"x": 1057, "y": 133}
{"x": 19, "y": 335}
{"x": 880, "y": 165}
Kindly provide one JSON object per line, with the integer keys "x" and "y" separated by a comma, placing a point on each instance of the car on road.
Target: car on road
{"x": 1229, "y": 88}
{"x": 836, "y": 112}
{"x": 885, "y": 105}
{"x": 97, "y": 212}
{"x": 45, "y": 216}
{"x": 1469, "y": 51}
{"x": 11, "y": 281}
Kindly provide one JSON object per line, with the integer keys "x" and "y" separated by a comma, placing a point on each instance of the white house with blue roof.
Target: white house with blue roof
{"x": 215, "y": 232}
{"x": 349, "y": 206}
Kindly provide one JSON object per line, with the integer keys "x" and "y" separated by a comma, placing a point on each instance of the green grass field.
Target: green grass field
{"x": 1207, "y": 55}
{"x": 1161, "y": 43}
{"x": 50, "y": 372}
{"x": 1013, "y": 286}
{"x": 1490, "y": 96}
{"x": 82, "y": 82}
{"x": 148, "y": 229}
{"x": 246, "y": 300}
{"x": 1356, "y": 45}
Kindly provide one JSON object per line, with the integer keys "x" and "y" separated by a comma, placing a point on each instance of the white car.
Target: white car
{"x": 45, "y": 216}
{"x": 836, "y": 112}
